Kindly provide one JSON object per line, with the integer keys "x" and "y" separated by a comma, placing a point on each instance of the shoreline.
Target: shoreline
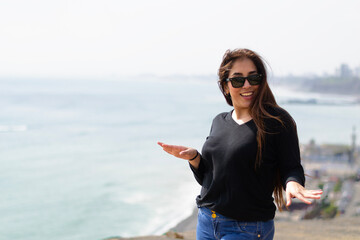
{"x": 187, "y": 224}
{"x": 183, "y": 223}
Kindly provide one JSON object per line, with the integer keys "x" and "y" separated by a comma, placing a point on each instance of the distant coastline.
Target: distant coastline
{"x": 349, "y": 86}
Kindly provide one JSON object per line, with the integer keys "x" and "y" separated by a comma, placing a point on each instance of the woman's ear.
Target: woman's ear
{"x": 226, "y": 89}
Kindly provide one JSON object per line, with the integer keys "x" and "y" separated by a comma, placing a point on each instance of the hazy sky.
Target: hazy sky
{"x": 100, "y": 38}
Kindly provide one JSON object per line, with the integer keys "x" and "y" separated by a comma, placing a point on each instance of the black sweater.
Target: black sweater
{"x": 230, "y": 183}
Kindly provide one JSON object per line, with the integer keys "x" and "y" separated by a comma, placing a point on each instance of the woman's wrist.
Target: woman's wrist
{"x": 197, "y": 154}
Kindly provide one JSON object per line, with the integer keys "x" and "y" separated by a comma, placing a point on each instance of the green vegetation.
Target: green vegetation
{"x": 338, "y": 186}
{"x": 328, "y": 210}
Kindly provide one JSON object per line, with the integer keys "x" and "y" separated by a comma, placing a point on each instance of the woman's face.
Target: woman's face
{"x": 241, "y": 97}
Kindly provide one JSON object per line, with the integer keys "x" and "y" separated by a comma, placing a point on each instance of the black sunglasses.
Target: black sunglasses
{"x": 238, "y": 82}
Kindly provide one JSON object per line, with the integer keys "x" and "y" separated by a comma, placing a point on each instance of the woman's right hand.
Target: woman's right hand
{"x": 182, "y": 152}
{"x": 179, "y": 151}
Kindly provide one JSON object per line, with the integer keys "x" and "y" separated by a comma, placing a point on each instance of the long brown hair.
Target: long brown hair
{"x": 263, "y": 99}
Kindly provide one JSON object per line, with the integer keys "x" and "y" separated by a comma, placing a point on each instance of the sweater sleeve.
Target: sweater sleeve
{"x": 199, "y": 173}
{"x": 289, "y": 153}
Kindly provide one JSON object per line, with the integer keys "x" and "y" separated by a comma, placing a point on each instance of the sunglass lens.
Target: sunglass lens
{"x": 255, "y": 79}
{"x": 237, "y": 82}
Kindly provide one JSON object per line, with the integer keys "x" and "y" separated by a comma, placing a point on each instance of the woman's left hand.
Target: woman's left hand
{"x": 294, "y": 189}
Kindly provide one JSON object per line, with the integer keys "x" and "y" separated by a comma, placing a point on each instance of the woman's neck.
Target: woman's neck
{"x": 241, "y": 116}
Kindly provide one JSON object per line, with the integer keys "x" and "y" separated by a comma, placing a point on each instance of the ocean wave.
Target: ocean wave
{"x": 176, "y": 210}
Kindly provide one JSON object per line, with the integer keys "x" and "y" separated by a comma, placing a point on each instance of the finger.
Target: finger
{"x": 288, "y": 198}
{"x": 160, "y": 143}
{"x": 174, "y": 147}
{"x": 164, "y": 144}
{"x": 302, "y": 198}
{"x": 169, "y": 152}
{"x": 316, "y": 191}
{"x": 312, "y": 195}
{"x": 168, "y": 147}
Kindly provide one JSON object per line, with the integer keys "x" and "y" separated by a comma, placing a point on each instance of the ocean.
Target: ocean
{"x": 80, "y": 160}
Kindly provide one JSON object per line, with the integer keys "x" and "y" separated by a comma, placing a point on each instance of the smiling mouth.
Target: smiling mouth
{"x": 247, "y": 94}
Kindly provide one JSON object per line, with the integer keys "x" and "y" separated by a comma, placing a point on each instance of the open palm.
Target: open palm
{"x": 179, "y": 151}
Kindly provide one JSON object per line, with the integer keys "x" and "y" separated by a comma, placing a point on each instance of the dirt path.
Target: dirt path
{"x": 336, "y": 229}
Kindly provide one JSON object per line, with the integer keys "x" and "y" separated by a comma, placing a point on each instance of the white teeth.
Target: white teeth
{"x": 247, "y": 94}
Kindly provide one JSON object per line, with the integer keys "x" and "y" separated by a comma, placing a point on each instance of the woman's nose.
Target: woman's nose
{"x": 246, "y": 84}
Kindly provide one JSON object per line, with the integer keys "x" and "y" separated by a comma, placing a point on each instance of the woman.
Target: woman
{"x": 251, "y": 153}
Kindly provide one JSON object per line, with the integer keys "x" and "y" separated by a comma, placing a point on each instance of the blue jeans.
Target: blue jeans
{"x": 214, "y": 226}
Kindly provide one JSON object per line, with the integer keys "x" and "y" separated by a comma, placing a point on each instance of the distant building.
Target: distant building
{"x": 344, "y": 71}
{"x": 331, "y": 153}
{"x": 357, "y": 71}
